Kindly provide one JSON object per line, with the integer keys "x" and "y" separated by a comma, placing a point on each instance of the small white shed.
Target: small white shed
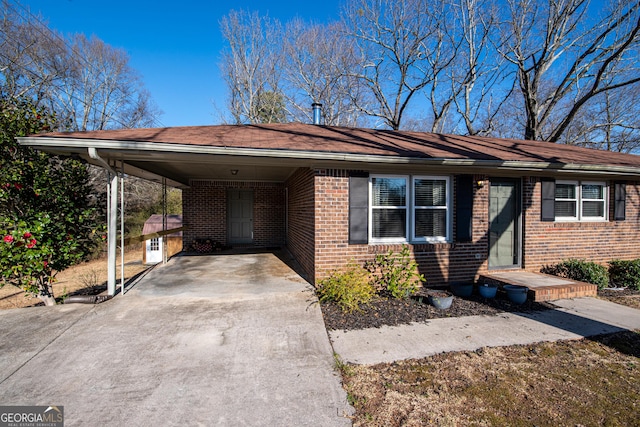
{"x": 152, "y": 250}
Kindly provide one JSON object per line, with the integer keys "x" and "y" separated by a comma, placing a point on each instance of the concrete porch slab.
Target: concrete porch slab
{"x": 542, "y": 287}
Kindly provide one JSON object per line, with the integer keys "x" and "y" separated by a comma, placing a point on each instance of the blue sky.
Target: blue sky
{"x": 175, "y": 46}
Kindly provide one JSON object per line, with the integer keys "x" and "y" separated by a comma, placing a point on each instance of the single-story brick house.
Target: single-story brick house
{"x": 464, "y": 205}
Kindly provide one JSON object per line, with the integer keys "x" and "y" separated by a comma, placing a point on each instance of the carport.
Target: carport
{"x": 226, "y": 169}
{"x": 177, "y": 157}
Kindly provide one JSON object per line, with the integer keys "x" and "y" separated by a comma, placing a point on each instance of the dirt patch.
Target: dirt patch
{"x": 529, "y": 385}
{"x": 88, "y": 278}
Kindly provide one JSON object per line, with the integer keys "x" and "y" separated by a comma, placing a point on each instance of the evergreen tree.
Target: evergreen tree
{"x": 48, "y": 220}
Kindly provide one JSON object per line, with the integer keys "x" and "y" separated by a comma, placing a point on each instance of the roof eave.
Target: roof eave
{"x": 69, "y": 146}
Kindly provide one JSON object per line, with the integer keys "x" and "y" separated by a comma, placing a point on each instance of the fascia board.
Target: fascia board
{"x": 119, "y": 149}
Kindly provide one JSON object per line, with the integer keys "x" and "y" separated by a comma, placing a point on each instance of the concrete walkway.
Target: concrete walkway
{"x": 225, "y": 340}
{"x": 573, "y": 319}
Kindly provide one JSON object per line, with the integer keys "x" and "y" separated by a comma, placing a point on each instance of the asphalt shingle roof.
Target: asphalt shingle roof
{"x": 306, "y": 137}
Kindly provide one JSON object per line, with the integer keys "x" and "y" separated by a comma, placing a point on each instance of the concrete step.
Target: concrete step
{"x": 542, "y": 287}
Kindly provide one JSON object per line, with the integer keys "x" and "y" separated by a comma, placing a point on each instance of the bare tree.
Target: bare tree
{"x": 395, "y": 44}
{"x": 251, "y": 63}
{"x": 467, "y": 87}
{"x": 100, "y": 90}
{"x": 479, "y": 80}
{"x": 87, "y": 83}
{"x": 31, "y": 55}
{"x": 316, "y": 59}
{"x": 444, "y": 43}
{"x": 538, "y": 69}
{"x": 565, "y": 53}
{"x": 611, "y": 121}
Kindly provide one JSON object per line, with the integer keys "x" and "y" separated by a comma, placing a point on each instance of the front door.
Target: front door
{"x": 240, "y": 216}
{"x": 504, "y": 223}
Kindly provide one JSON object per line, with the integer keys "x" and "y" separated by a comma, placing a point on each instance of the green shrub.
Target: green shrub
{"x": 395, "y": 275}
{"x": 580, "y": 270}
{"x": 625, "y": 274}
{"x": 348, "y": 288}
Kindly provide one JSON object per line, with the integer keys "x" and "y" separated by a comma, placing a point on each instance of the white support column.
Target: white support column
{"x": 112, "y": 232}
{"x": 164, "y": 221}
{"x": 122, "y": 228}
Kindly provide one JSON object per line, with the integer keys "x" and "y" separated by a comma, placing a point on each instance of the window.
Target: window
{"x": 430, "y": 208}
{"x": 154, "y": 245}
{"x": 566, "y": 200}
{"x": 389, "y": 208}
{"x": 575, "y": 201}
{"x": 418, "y": 213}
{"x": 593, "y": 201}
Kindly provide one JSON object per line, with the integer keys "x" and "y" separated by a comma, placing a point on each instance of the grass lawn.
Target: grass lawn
{"x": 591, "y": 382}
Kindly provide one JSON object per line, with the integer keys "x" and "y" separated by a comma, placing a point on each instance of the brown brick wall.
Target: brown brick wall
{"x": 551, "y": 242}
{"x": 300, "y": 227}
{"x": 438, "y": 262}
{"x": 205, "y": 211}
{"x": 543, "y": 243}
{"x": 332, "y": 223}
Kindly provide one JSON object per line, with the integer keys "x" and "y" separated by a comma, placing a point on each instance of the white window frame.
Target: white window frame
{"x": 407, "y": 199}
{"x": 411, "y": 208}
{"x": 579, "y": 200}
{"x": 604, "y": 200}
{"x": 447, "y": 208}
{"x": 576, "y": 201}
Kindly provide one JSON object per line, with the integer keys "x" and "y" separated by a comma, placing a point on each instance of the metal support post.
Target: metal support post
{"x": 112, "y": 229}
{"x": 122, "y": 228}
{"x": 164, "y": 220}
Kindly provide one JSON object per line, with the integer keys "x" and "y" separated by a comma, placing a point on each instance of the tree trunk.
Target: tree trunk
{"x": 49, "y": 300}
{"x": 46, "y": 294}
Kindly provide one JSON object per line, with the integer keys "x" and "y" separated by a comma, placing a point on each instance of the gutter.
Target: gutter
{"x": 141, "y": 147}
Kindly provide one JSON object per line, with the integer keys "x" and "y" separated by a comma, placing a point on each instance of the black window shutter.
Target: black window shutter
{"x": 464, "y": 208}
{"x": 548, "y": 205}
{"x": 620, "y": 200}
{"x": 358, "y": 208}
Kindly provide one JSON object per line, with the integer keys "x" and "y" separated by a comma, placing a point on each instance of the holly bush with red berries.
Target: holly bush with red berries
{"x": 48, "y": 218}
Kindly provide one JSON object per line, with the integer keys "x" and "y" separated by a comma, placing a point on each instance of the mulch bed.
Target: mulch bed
{"x": 628, "y": 297}
{"x": 614, "y": 293}
{"x": 393, "y": 312}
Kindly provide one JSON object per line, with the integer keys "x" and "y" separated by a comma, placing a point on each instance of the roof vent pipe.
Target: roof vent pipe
{"x": 317, "y": 113}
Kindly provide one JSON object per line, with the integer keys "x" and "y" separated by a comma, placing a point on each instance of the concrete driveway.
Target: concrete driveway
{"x": 218, "y": 340}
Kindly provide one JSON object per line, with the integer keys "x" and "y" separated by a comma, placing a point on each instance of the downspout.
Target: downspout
{"x": 93, "y": 153}
{"x": 112, "y": 220}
